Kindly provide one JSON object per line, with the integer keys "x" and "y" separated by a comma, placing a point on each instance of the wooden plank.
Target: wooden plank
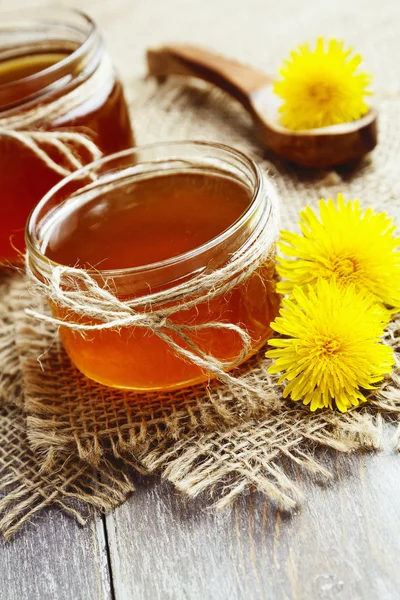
{"x": 55, "y": 558}
{"x": 343, "y": 545}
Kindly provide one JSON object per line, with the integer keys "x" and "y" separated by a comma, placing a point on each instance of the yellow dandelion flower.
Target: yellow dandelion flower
{"x": 322, "y": 87}
{"x": 346, "y": 243}
{"x": 333, "y": 347}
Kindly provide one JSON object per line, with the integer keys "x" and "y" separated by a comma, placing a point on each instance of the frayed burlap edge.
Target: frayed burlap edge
{"x": 72, "y": 485}
{"x": 25, "y": 488}
{"x": 260, "y": 454}
{"x": 11, "y": 373}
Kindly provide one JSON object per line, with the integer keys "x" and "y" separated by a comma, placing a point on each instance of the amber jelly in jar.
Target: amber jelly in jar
{"x": 48, "y": 56}
{"x": 162, "y": 214}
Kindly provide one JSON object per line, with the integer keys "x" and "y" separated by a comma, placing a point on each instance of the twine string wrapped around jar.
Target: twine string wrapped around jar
{"x": 25, "y": 126}
{"x": 93, "y": 306}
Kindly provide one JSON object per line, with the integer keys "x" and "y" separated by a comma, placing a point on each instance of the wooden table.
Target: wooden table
{"x": 343, "y": 544}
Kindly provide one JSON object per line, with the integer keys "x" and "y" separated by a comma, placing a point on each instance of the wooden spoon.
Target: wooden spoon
{"x": 318, "y": 148}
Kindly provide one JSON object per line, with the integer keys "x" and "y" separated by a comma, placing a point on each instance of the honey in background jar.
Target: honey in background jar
{"x": 32, "y": 76}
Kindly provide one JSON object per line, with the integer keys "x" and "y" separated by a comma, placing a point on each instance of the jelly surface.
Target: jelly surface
{"x": 24, "y": 178}
{"x": 160, "y": 218}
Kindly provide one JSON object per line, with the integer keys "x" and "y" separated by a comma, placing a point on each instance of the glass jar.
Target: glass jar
{"x": 49, "y": 56}
{"x": 65, "y": 222}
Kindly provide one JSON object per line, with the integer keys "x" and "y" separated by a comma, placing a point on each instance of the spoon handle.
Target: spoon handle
{"x": 240, "y": 81}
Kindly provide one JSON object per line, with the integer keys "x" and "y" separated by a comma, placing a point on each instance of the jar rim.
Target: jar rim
{"x": 257, "y": 197}
{"x": 60, "y": 15}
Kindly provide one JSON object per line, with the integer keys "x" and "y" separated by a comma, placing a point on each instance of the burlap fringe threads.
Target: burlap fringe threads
{"x": 25, "y": 487}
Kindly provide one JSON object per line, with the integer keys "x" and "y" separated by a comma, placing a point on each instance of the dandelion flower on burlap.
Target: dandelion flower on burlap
{"x": 322, "y": 87}
{"x": 332, "y": 349}
{"x": 346, "y": 243}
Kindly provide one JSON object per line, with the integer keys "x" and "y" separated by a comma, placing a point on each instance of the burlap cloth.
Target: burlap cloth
{"x": 67, "y": 440}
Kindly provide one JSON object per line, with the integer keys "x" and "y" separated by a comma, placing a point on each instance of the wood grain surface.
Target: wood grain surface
{"x": 344, "y": 544}
{"x": 54, "y": 558}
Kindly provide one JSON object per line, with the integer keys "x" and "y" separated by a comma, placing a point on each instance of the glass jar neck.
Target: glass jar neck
{"x": 121, "y": 171}
{"x": 67, "y": 34}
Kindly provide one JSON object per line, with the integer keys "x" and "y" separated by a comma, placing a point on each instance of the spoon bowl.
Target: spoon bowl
{"x": 324, "y": 147}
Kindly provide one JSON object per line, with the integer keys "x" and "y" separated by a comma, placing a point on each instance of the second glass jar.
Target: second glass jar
{"x": 45, "y": 54}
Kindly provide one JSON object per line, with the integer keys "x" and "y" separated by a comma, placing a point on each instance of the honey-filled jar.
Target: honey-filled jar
{"x": 175, "y": 242}
{"x": 61, "y": 106}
